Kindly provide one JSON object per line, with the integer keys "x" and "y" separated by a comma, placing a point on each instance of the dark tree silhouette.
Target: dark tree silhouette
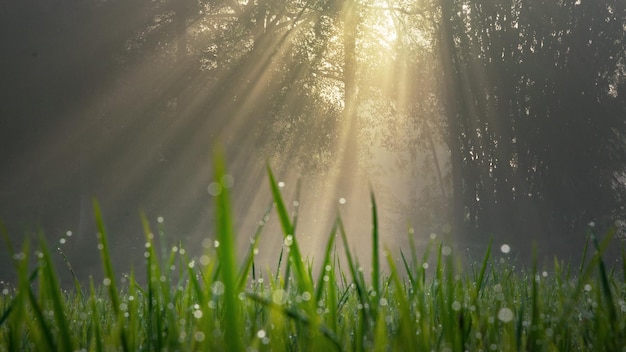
{"x": 535, "y": 101}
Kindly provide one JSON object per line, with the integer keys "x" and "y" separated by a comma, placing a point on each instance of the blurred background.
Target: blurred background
{"x": 469, "y": 121}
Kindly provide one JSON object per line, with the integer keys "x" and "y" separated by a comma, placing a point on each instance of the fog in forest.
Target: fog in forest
{"x": 468, "y": 121}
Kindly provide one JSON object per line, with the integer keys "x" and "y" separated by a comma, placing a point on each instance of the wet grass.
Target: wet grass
{"x": 215, "y": 303}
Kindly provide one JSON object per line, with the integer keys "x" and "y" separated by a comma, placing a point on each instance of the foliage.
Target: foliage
{"x": 211, "y": 303}
{"x": 535, "y": 108}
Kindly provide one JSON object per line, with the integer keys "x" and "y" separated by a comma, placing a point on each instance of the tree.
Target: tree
{"x": 533, "y": 103}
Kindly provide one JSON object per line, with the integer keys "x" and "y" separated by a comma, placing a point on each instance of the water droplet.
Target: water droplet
{"x": 433, "y": 236}
{"x": 106, "y": 281}
{"x": 505, "y": 315}
{"x": 587, "y": 287}
{"x": 160, "y": 219}
{"x": 227, "y": 181}
{"x": 260, "y": 334}
{"x": 456, "y": 306}
{"x": 197, "y": 314}
{"x": 100, "y": 246}
{"x": 62, "y": 240}
{"x": 425, "y": 266}
{"x": 279, "y": 296}
{"x": 217, "y": 288}
{"x": 214, "y": 189}
{"x": 281, "y": 184}
{"x": 198, "y": 336}
{"x": 216, "y": 243}
{"x": 505, "y": 248}
{"x": 204, "y": 260}
{"x": 68, "y": 233}
{"x": 445, "y": 250}
{"x": 288, "y": 240}
{"x": 306, "y": 296}
{"x": 296, "y": 203}
{"x": 342, "y": 200}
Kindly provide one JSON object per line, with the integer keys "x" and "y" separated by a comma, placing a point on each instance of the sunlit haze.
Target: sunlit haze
{"x": 436, "y": 110}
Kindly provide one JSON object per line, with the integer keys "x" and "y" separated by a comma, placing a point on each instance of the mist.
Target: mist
{"x": 461, "y": 135}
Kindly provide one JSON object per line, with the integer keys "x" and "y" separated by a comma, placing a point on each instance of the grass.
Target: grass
{"x": 216, "y": 303}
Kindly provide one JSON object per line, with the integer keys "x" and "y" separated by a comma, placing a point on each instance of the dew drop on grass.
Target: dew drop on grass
{"x": 306, "y": 296}
{"x": 227, "y": 181}
{"x": 261, "y": 334}
{"x": 446, "y": 250}
{"x": 216, "y": 243}
{"x": 214, "y": 189}
{"x": 160, "y": 219}
{"x": 198, "y": 336}
{"x": 433, "y": 236}
{"x": 100, "y": 246}
{"x": 587, "y": 288}
{"x": 505, "y": 315}
{"x": 342, "y": 200}
{"x": 505, "y": 248}
{"x": 197, "y": 314}
{"x": 281, "y": 184}
{"x": 217, "y": 288}
{"x": 279, "y": 296}
{"x": 205, "y": 260}
{"x": 288, "y": 240}
{"x": 106, "y": 281}
{"x": 456, "y": 306}
{"x": 425, "y": 266}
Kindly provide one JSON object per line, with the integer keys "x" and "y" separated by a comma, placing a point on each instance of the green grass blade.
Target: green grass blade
{"x": 109, "y": 274}
{"x": 105, "y": 256}
{"x": 248, "y": 263}
{"x": 299, "y": 317}
{"x": 481, "y": 276}
{"x": 375, "y": 254}
{"x": 606, "y": 288}
{"x": 54, "y": 295}
{"x": 406, "y": 326}
{"x": 95, "y": 319}
{"x": 326, "y": 262}
{"x": 303, "y": 279}
{"x": 226, "y": 252}
{"x": 77, "y": 286}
